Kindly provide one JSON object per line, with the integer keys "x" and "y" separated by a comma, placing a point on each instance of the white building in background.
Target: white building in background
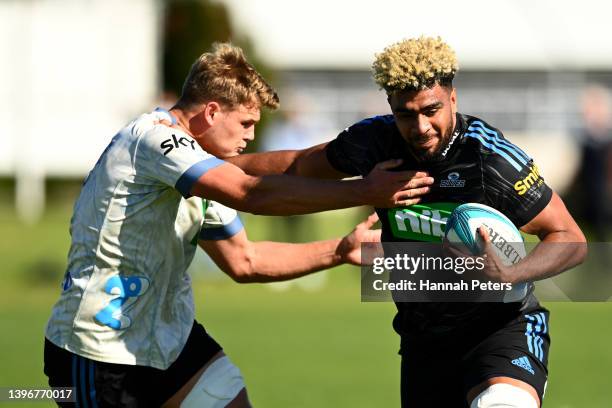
{"x": 72, "y": 73}
{"x": 500, "y": 34}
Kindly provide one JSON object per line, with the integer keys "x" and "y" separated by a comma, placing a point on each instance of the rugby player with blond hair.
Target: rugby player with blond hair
{"x": 453, "y": 354}
{"x": 123, "y": 332}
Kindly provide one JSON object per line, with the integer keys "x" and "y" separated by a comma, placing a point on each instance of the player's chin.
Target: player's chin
{"x": 233, "y": 153}
{"x": 428, "y": 150}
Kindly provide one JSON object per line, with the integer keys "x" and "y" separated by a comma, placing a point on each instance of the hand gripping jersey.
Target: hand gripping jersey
{"x": 126, "y": 297}
{"x": 479, "y": 165}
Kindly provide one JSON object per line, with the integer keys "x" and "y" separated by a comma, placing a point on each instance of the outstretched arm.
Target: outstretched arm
{"x": 311, "y": 162}
{"x": 288, "y": 195}
{"x": 265, "y": 261}
{"x": 174, "y": 158}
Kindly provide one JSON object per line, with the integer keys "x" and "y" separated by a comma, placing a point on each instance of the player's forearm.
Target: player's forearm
{"x": 276, "y": 261}
{"x": 281, "y": 195}
{"x": 558, "y": 252}
{"x": 290, "y": 195}
{"x": 310, "y": 162}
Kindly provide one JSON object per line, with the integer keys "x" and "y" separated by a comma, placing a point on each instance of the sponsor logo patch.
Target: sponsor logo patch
{"x": 532, "y": 178}
{"x": 170, "y": 144}
{"x": 125, "y": 291}
{"x": 421, "y": 222}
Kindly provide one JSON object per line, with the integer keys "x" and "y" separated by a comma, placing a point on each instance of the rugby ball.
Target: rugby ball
{"x": 507, "y": 241}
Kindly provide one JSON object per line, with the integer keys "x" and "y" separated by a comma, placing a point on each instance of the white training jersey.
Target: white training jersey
{"x": 127, "y": 297}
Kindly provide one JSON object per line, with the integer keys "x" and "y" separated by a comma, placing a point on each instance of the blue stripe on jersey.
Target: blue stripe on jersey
{"x": 223, "y": 232}
{"x": 192, "y": 174}
{"x": 92, "y": 385}
{"x": 491, "y": 146}
{"x": 540, "y": 341}
{"x": 528, "y": 335}
{"x": 495, "y": 134}
{"x": 500, "y": 143}
{"x": 535, "y": 327}
{"x": 74, "y": 380}
{"x": 83, "y": 386}
{"x": 544, "y": 321}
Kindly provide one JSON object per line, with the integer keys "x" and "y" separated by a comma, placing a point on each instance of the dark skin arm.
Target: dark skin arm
{"x": 562, "y": 246}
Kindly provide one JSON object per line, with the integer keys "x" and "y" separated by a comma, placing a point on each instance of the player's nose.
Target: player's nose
{"x": 249, "y": 136}
{"x": 423, "y": 125}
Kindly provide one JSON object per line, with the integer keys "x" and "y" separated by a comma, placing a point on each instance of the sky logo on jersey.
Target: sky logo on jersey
{"x": 127, "y": 290}
{"x": 524, "y": 363}
{"x": 421, "y": 222}
{"x": 172, "y": 143}
{"x": 533, "y": 177}
{"x": 452, "y": 181}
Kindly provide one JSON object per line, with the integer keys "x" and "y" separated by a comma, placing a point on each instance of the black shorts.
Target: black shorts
{"x": 117, "y": 385}
{"x": 441, "y": 376}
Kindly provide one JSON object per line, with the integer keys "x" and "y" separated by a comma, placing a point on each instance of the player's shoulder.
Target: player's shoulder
{"x": 149, "y": 130}
{"x": 152, "y": 124}
{"x": 374, "y": 124}
{"x": 377, "y": 133}
{"x": 490, "y": 144}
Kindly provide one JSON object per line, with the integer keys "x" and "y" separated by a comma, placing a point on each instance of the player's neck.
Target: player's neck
{"x": 183, "y": 120}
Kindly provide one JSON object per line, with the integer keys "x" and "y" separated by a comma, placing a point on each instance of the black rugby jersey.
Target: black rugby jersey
{"x": 479, "y": 165}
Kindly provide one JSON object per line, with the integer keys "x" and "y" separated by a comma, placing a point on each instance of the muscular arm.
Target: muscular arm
{"x": 288, "y": 195}
{"x": 562, "y": 245}
{"x": 246, "y": 261}
{"x": 265, "y": 261}
{"x": 311, "y": 162}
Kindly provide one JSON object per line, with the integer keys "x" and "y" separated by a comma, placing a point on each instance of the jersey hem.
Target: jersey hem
{"x": 101, "y": 358}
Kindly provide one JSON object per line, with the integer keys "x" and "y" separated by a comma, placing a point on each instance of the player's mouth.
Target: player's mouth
{"x": 426, "y": 143}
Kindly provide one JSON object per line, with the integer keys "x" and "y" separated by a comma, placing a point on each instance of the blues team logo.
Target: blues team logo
{"x": 453, "y": 181}
{"x": 126, "y": 291}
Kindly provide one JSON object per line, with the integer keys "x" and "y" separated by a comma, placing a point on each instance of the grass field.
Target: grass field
{"x": 313, "y": 345}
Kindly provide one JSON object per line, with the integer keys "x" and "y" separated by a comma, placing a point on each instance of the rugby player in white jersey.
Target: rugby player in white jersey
{"x": 123, "y": 332}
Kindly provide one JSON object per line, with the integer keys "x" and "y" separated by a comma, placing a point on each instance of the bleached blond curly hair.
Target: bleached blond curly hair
{"x": 415, "y": 64}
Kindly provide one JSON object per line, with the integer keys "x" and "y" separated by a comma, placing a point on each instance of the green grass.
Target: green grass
{"x": 296, "y": 347}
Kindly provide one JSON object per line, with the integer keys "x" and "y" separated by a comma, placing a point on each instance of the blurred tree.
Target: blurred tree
{"x": 190, "y": 28}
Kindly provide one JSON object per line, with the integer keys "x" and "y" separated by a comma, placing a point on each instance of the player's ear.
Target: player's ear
{"x": 453, "y": 101}
{"x": 211, "y": 112}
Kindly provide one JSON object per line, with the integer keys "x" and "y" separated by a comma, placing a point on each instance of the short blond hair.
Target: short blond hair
{"x": 415, "y": 64}
{"x": 224, "y": 75}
